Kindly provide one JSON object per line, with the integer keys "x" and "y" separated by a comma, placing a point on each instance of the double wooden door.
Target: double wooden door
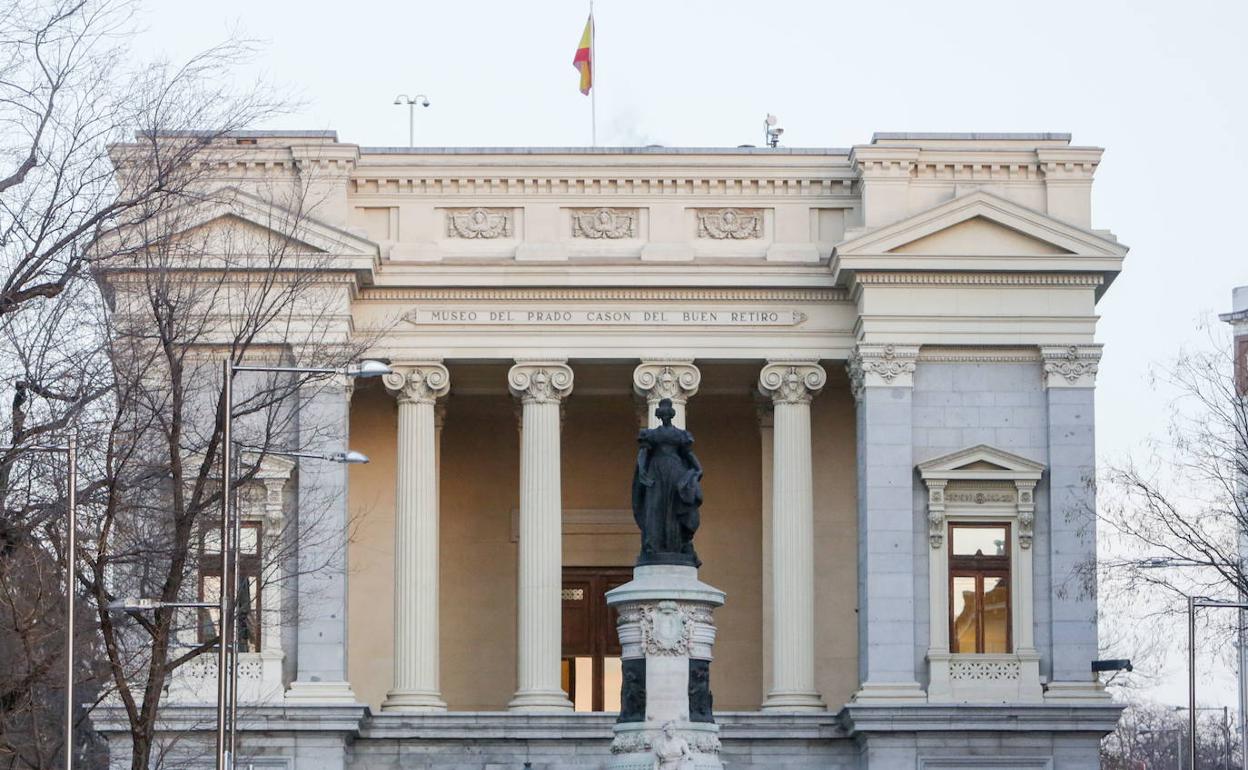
{"x": 591, "y": 648}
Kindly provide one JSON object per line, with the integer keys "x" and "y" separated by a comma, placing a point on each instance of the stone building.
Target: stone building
{"x": 887, "y": 355}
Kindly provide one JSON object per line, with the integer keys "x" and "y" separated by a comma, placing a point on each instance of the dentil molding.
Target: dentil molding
{"x": 791, "y": 382}
{"x": 419, "y": 383}
{"x": 1071, "y": 366}
{"x": 656, "y": 380}
{"x": 540, "y": 382}
{"x": 881, "y": 366}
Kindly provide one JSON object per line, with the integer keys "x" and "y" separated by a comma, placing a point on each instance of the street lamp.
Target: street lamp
{"x": 1194, "y": 603}
{"x": 70, "y": 448}
{"x": 227, "y": 664}
{"x": 411, "y": 102}
{"x": 1161, "y": 562}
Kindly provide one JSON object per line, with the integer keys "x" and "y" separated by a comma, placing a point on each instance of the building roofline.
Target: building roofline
{"x": 647, "y": 150}
{"x": 259, "y": 134}
{"x": 1000, "y": 136}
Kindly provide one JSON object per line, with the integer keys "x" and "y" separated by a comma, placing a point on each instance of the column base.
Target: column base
{"x": 884, "y": 693}
{"x": 321, "y": 692}
{"x": 793, "y": 702}
{"x": 540, "y": 700}
{"x": 414, "y": 702}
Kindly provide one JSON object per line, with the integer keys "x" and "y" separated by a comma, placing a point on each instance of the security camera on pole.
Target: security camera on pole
{"x": 411, "y": 102}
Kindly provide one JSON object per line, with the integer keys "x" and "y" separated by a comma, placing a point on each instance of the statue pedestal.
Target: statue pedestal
{"x": 666, "y": 635}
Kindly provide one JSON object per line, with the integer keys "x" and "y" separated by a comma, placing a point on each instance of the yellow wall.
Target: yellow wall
{"x": 480, "y": 474}
{"x": 836, "y": 540}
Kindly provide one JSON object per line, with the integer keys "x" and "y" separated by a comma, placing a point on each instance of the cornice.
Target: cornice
{"x": 979, "y": 279}
{"x": 639, "y": 293}
{"x": 480, "y": 184}
{"x": 978, "y": 355}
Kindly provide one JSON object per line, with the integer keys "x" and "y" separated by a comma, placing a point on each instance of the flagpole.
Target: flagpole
{"x": 593, "y": 76}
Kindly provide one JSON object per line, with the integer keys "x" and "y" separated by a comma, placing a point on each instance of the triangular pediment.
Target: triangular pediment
{"x": 238, "y": 214}
{"x": 233, "y": 234}
{"x": 979, "y": 236}
{"x": 980, "y": 462}
{"x": 1014, "y": 228}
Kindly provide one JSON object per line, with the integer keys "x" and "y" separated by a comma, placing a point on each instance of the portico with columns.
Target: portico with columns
{"x": 880, "y": 351}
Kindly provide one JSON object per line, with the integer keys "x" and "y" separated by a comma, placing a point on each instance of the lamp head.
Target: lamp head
{"x": 349, "y": 457}
{"x": 369, "y": 367}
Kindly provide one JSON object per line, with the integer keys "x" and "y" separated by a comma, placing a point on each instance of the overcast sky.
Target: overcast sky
{"x": 1160, "y": 85}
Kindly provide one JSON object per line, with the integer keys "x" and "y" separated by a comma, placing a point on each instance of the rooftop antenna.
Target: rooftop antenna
{"x": 771, "y": 134}
{"x": 411, "y": 102}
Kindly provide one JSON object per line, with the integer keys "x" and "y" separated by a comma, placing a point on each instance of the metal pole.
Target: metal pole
{"x": 223, "y": 605}
{"x": 1243, "y": 685}
{"x": 234, "y": 549}
{"x": 71, "y": 572}
{"x": 1191, "y": 682}
{"x": 593, "y": 76}
{"x": 411, "y": 122}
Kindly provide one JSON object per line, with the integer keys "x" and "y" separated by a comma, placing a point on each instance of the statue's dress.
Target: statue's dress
{"x": 667, "y": 491}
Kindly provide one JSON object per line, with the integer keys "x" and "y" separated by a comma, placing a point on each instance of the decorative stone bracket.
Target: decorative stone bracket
{"x": 881, "y": 366}
{"x": 1071, "y": 366}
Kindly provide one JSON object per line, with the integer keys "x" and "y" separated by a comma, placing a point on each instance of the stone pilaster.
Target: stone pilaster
{"x": 540, "y": 386}
{"x": 882, "y": 379}
{"x": 1070, "y": 379}
{"x": 416, "y": 661}
{"x": 660, "y": 379}
{"x": 791, "y": 385}
{"x": 321, "y": 637}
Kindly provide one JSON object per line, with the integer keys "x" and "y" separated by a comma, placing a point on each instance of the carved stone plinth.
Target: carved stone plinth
{"x": 666, "y": 633}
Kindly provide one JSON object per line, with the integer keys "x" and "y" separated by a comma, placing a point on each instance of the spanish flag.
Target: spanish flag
{"x": 584, "y": 59}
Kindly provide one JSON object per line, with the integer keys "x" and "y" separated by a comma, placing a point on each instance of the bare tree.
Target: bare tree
{"x": 93, "y": 143}
{"x": 202, "y": 285}
{"x": 1184, "y": 503}
{"x": 1152, "y": 736}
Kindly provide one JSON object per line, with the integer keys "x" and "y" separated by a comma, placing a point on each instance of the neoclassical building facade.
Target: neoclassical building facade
{"x": 886, "y": 353}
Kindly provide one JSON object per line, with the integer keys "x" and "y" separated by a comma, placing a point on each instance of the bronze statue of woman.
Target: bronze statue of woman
{"x": 667, "y": 492}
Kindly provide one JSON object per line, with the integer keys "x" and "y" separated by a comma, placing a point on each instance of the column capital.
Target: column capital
{"x": 422, "y": 383}
{"x": 540, "y": 382}
{"x": 881, "y": 366}
{"x": 791, "y": 382}
{"x": 1070, "y": 366}
{"x": 658, "y": 379}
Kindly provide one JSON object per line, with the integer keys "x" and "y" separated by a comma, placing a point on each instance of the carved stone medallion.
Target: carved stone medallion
{"x": 604, "y": 223}
{"x": 730, "y": 224}
{"x": 478, "y": 223}
{"x": 665, "y": 629}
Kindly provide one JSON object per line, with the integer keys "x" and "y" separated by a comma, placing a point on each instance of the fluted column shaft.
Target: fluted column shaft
{"x": 657, "y": 380}
{"x": 540, "y": 386}
{"x": 416, "y": 595}
{"x": 791, "y": 386}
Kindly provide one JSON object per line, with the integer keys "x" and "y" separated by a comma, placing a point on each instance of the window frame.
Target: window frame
{"x": 979, "y": 567}
{"x": 249, "y": 565}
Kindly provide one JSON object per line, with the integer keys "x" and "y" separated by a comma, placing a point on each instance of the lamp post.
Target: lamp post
{"x": 411, "y": 102}
{"x": 1194, "y": 603}
{"x": 227, "y": 658}
{"x": 70, "y": 448}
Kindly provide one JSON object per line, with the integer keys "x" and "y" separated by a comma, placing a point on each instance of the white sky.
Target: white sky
{"x": 1161, "y": 85}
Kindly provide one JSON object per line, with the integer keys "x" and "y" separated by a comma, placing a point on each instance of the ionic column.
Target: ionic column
{"x": 791, "y": 386}
{"x": 417, "y": 388}
{"x": 540, "y": 386}
{"x": 657, "y": 380}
